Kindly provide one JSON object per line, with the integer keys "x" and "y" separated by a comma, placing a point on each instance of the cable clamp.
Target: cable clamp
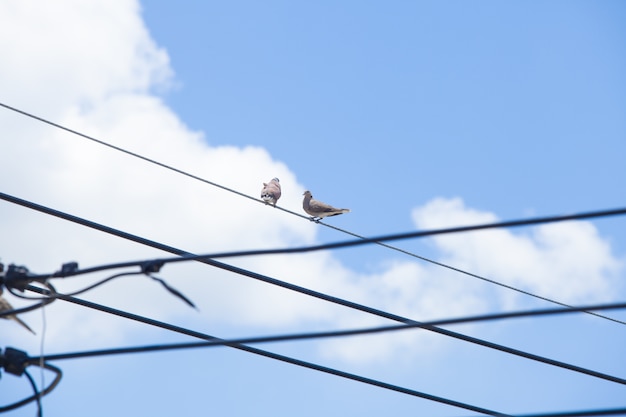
{"x": 14, "y": 361}
{"x": 151, "y": 267}
{"x": 18, "y": 277}
{"x": 67, "y": 269}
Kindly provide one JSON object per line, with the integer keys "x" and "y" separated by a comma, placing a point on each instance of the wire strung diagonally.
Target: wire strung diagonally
{"x": 274, "y": 356}
{"x": 183, "y": 256}
{"x": 378, "y": 241}
{"x": 329, "y": 333}
{"x": 271, "y": 355}
{"x": 312, "y": 293}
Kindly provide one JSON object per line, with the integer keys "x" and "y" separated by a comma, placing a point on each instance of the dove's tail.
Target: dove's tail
{"x": 20, "y": 321}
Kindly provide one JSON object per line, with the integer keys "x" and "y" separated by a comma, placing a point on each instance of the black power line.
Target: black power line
{"x": 272, "y": 355}
{"x": 15, "y": 362}
{"x": 328, "y": 334}
{"x": 184, "y": 256}
{"x": 372, "y": 241}
{"x": 319, "y": 295}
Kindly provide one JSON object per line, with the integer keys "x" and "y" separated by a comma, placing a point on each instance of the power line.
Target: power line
{"x": 183, "y": 256}
{"x": 328, "y": 334}
{"x": 373, "y": 241}
{"x": 272, "y": 355}
{"x": 317, "y": 294}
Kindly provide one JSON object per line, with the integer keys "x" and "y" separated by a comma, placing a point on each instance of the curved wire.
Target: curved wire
{"x": 36, "y": 392}
{"x": 97, "y": 284}
{"x": 37, "y": 396}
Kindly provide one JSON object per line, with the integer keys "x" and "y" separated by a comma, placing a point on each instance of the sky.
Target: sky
{"x": 415, "y": 115}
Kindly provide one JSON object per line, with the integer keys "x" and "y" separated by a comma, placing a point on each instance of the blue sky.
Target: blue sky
{"x": 415, "y": 115}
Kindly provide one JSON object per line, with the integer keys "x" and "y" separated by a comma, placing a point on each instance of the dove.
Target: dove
{"x": 318, "y": 210}
{"x": 5, "y": 306}
{"x": 271, "y": 192}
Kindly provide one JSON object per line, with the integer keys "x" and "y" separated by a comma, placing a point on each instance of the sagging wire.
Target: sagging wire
{"x": 15, "y": 362}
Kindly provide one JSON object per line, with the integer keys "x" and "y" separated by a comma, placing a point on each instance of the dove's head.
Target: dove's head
{"x": 275, "y": 179}
{"x": 307, "y": 193}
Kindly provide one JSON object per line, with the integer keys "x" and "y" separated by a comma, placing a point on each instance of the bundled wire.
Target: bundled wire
{"x": 15, "y": 362}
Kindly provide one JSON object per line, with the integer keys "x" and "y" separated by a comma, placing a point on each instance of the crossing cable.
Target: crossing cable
{"x": 204, "y": 180}
{"x": 317, "y": 294}
{"x": 183, "y": 256}
{"x": 326, "y": 334}
{"x": 267, "y": 354}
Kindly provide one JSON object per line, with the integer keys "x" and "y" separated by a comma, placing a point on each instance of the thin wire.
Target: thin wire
{"x": 272, "y": 355}
{"x": 330, "y": 333}
{"x": 373, "y": 311}
{"x": 204, "y": 258}
{"x": 377, "y": 241}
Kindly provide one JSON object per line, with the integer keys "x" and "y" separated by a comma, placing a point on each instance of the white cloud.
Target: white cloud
{"x": 100, "y": 83}
{"x": 568, "y": 261}
{"x": 76, "y": 53}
